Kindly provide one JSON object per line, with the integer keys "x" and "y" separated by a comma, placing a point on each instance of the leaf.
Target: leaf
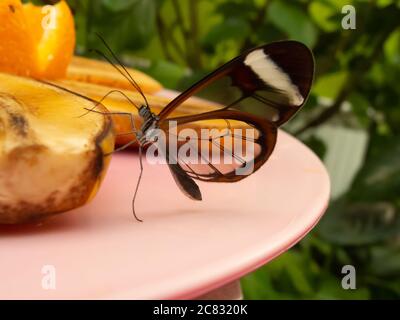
{"x": 232, "y": 28}
{"x": 168, "y": 73}
{"x": 379, "y": 179}
{"x": 268, "y": 32}
{"x": 296, "y": 272}
{"x": 322, "y": 12}
{"x": 317, "y": 145}
{"x": 384, "y": 3}
{"x": 230, "y": 9}
{"x": 118, "y": 5}
{"x": 286, "y": 277}
{"x": 330, "y": 85}
{"x": 131, "y": 28}
{"x": 293, "y": 21}
{"x": 385, "y": 261}
{"x": 392, "y": 47}
{"x": 360, "y": 107}
{"x": 330, "y": 288}
{"x": 258, "y": 285}
{"x": 358, "y": 224}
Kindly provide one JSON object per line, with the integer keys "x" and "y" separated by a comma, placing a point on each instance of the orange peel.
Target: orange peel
{"x": 36, "y": 41}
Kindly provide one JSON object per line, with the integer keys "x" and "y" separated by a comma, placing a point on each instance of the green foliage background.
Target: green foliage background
{"x": 356, "y": 90}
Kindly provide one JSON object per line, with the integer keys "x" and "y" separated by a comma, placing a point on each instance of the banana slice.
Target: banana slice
{"x": 100, "y": 72}
{"x": 52, "y": 159}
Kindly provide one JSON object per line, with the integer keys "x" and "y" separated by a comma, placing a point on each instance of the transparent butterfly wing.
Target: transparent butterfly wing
{"x": 271, "y": 82}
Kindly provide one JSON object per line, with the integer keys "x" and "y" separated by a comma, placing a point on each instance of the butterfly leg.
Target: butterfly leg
{"x": 126, "y": 146}
{"x": 138, "y": 183}
{"x": 134, "y": 130}
{"x": 105, "y": 97}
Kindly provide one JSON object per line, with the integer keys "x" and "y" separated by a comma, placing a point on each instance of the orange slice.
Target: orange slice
{"x": 53, "y": 32}
{"x": 16, "y": 46}
{"x": 36, "y": 41}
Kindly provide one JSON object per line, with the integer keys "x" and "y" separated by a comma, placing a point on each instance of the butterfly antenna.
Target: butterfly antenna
{"x": 137, "y": 185}
{"x": 116, "y": 68}
{"x": 127, "y": 74}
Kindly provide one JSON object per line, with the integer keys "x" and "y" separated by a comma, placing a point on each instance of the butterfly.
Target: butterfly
{"x": 259, "y": 90}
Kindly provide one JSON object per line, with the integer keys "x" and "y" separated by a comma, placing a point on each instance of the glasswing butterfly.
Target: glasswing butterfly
{"x": 260, "y": 90}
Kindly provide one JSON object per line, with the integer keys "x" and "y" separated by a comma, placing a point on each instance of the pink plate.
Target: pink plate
{"x": 183, "y": 248}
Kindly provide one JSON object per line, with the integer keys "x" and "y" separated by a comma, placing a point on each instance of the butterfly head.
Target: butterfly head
{"x": 149, "y": 122}
{"x": 145, "y": 112}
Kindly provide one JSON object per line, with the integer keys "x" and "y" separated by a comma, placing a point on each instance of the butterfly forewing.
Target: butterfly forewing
{"x": 271, "y": 82}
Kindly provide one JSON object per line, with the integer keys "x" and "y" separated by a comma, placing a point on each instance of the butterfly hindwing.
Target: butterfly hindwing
{"x": 185, "y": 182}
{"x": 220, "y": 146}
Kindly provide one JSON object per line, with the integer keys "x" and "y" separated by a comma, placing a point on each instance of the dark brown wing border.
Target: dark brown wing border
{"x": 266, "y": 139}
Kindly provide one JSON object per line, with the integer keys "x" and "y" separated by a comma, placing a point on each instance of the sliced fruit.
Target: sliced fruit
{"x": 36, "y": 41}
{"x": 99, "y": 72}
{"x": 51, "y": 159}
{"x": 53, "y": 32}
{"x": 116, "y": 102}
{"x": 16, "y": 45}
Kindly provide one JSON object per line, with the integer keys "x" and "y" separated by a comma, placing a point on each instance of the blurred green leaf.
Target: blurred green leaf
{"x": 392, "y": 47}
{"x": 361, "y": 107}
{"x": 118, "y": 5}
{"x": 169, "y": 74}
{"x": 359, "y": 224}
{"x": 292, "y": 20}
{"x": 331, "y": 288}
{"x": 322, "y": 12}
{"x": 317, "y": 145}
{"x": 384, "y": 3}
{"x": 241, "y": 9}
{"x": 385, "y": 261}
{"x": 295, "y": 270}
{"x": 231, "y": 28}
{"x": 330, "y": 85}
{"x": 379, "y": 179}
{"x": 136, "y": 24}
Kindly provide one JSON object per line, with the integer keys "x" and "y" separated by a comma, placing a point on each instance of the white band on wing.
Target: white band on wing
{"x": 268, "y": 71}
